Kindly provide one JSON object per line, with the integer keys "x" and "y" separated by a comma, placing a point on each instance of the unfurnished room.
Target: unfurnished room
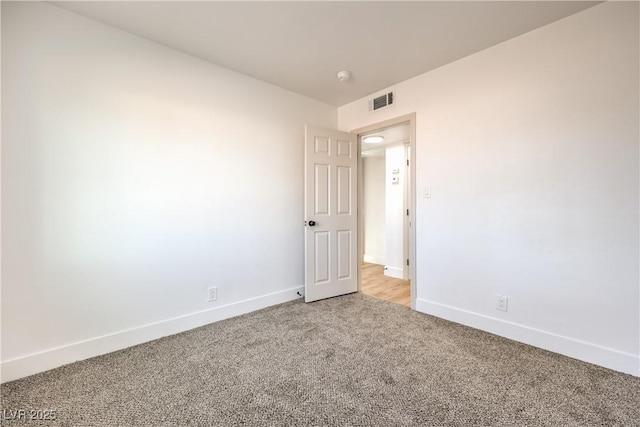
{"x": 340, "y": 213}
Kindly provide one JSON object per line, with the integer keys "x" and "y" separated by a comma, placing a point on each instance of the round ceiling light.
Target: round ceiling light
{"x": 373, "y": 139}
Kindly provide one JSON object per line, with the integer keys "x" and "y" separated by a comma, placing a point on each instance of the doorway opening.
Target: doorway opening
{"x": 386, "y": 217}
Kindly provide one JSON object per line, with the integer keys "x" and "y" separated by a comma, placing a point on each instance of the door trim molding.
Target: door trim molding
{"x": 400, "y": 120}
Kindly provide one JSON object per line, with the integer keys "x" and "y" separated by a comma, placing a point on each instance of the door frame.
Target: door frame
{"x": 411, "y": 194}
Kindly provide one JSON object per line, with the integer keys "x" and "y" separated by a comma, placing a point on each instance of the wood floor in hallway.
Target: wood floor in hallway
{"x": 376, "y": 284}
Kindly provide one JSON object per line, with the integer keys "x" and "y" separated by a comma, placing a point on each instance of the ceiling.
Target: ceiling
{"x": 301, "y": 46}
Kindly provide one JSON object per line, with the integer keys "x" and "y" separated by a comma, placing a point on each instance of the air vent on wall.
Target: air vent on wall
{"x": 381, "y": 101}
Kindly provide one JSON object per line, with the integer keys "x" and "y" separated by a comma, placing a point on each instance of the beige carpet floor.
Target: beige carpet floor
{"x": 347, "y": 361}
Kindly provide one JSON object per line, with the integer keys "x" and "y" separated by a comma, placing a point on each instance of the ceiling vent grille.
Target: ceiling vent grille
{"x": 381, "y": 101}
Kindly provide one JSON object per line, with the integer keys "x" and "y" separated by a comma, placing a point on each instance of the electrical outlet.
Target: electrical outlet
{"x": 502, "y": 302}
{"x": 212, "y": 294}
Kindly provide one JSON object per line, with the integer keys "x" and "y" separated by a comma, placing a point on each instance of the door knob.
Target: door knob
{"x": 312, "y": 223}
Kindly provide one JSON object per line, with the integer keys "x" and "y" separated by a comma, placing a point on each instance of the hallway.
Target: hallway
{"x": 377, "y": 285}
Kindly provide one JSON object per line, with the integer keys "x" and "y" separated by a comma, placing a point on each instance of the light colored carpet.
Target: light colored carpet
{"x": 352, "y": 360}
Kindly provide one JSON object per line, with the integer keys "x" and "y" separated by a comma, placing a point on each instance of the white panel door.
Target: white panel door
{"x": 331, "y": 162}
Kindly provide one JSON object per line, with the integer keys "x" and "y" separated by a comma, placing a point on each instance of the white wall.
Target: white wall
{"x": 531, "y": 151}
{"x": 133, "y": 178}
{"x": 374, "y": 208}
{"x": 394, "y": 211}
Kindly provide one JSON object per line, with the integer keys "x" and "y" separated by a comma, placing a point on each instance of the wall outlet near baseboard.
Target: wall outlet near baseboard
{"x": 502, "y": 302}
{"x": 212, "y": 294}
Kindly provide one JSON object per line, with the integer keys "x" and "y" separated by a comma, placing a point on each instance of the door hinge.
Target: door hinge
{"x": 407, "y": 261}
{"x": 407, "y": 212}
{"x": 407, "y": 162}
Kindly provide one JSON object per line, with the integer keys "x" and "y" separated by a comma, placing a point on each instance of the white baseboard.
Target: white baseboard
{"x": 52, "y": 358}
{"x": 373, "y": 259}
{"x": 587, "y": 352}
{"x": 398, "y": 273}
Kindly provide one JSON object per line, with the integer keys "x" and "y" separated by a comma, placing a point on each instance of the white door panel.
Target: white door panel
{"x": 331, "y": 205}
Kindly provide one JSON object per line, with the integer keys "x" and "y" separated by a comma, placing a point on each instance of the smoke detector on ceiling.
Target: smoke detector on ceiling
{"x": 343, "y": 76}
